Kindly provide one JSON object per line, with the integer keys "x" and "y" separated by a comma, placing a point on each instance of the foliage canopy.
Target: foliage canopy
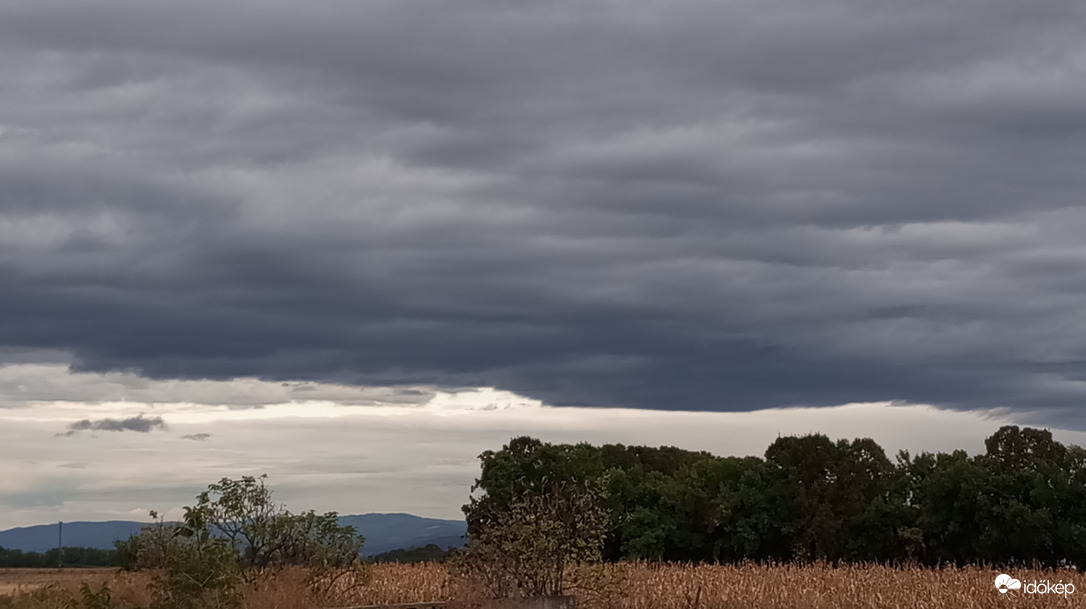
{"x": 810, "y": 498}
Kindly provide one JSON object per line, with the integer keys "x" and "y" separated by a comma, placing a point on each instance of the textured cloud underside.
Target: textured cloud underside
{"x": 680, "y": 205}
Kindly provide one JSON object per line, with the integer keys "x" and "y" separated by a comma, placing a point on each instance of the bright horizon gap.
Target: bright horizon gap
{"x": 415, "y": 453}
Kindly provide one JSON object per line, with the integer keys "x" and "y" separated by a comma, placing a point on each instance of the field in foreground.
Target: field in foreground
{"x": 626, "y": 586}
{"x": 14, "y": 581}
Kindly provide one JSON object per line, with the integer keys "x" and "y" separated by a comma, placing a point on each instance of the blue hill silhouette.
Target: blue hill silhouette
{"x": 383, "y": 532}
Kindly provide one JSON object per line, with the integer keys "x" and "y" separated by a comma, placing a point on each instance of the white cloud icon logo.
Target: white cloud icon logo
{"x": 1005, "y": 582}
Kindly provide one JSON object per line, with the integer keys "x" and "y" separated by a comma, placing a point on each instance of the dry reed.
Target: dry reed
{"x": 624, "y": 586}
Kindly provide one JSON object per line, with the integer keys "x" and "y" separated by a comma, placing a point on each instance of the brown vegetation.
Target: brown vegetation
{"x": 821, "y": 586}
{"x": 15, "y": 581}
{"x": 630, "y": 586}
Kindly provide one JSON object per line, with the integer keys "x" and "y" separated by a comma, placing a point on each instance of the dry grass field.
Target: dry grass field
{"x": 14, "y": 581}
{"x": 626, "y": 586}
{"x": 826, "y": 587}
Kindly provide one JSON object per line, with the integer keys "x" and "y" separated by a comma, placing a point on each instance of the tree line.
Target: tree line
{"x": 1022, "y": 501}
{"x": 429, "y": 553}
{"x": 71, "y": 557}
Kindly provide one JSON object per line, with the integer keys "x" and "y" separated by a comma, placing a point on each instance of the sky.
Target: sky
{"x": 324, "y": 238}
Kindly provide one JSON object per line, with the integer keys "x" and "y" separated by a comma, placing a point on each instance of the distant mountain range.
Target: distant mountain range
{"x": 383, "y": 532}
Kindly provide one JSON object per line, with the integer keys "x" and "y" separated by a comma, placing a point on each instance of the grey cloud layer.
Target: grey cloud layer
{"x": 29, "y": 384}
{"x": 688, "y": 204}
{"x": 137, "y": 423}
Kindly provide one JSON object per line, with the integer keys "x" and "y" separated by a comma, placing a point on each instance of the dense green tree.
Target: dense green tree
{"x": 812, "y": 498}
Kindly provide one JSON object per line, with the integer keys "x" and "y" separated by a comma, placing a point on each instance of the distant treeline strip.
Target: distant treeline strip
{"x": 428, "y": 553}
{"x": 72, "y": 557}
{"x": 1021, "y": 502}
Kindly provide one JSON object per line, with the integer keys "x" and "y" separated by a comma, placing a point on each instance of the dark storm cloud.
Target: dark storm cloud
{"x": 137, "y": 423}
{"x": 688, "y": 204}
